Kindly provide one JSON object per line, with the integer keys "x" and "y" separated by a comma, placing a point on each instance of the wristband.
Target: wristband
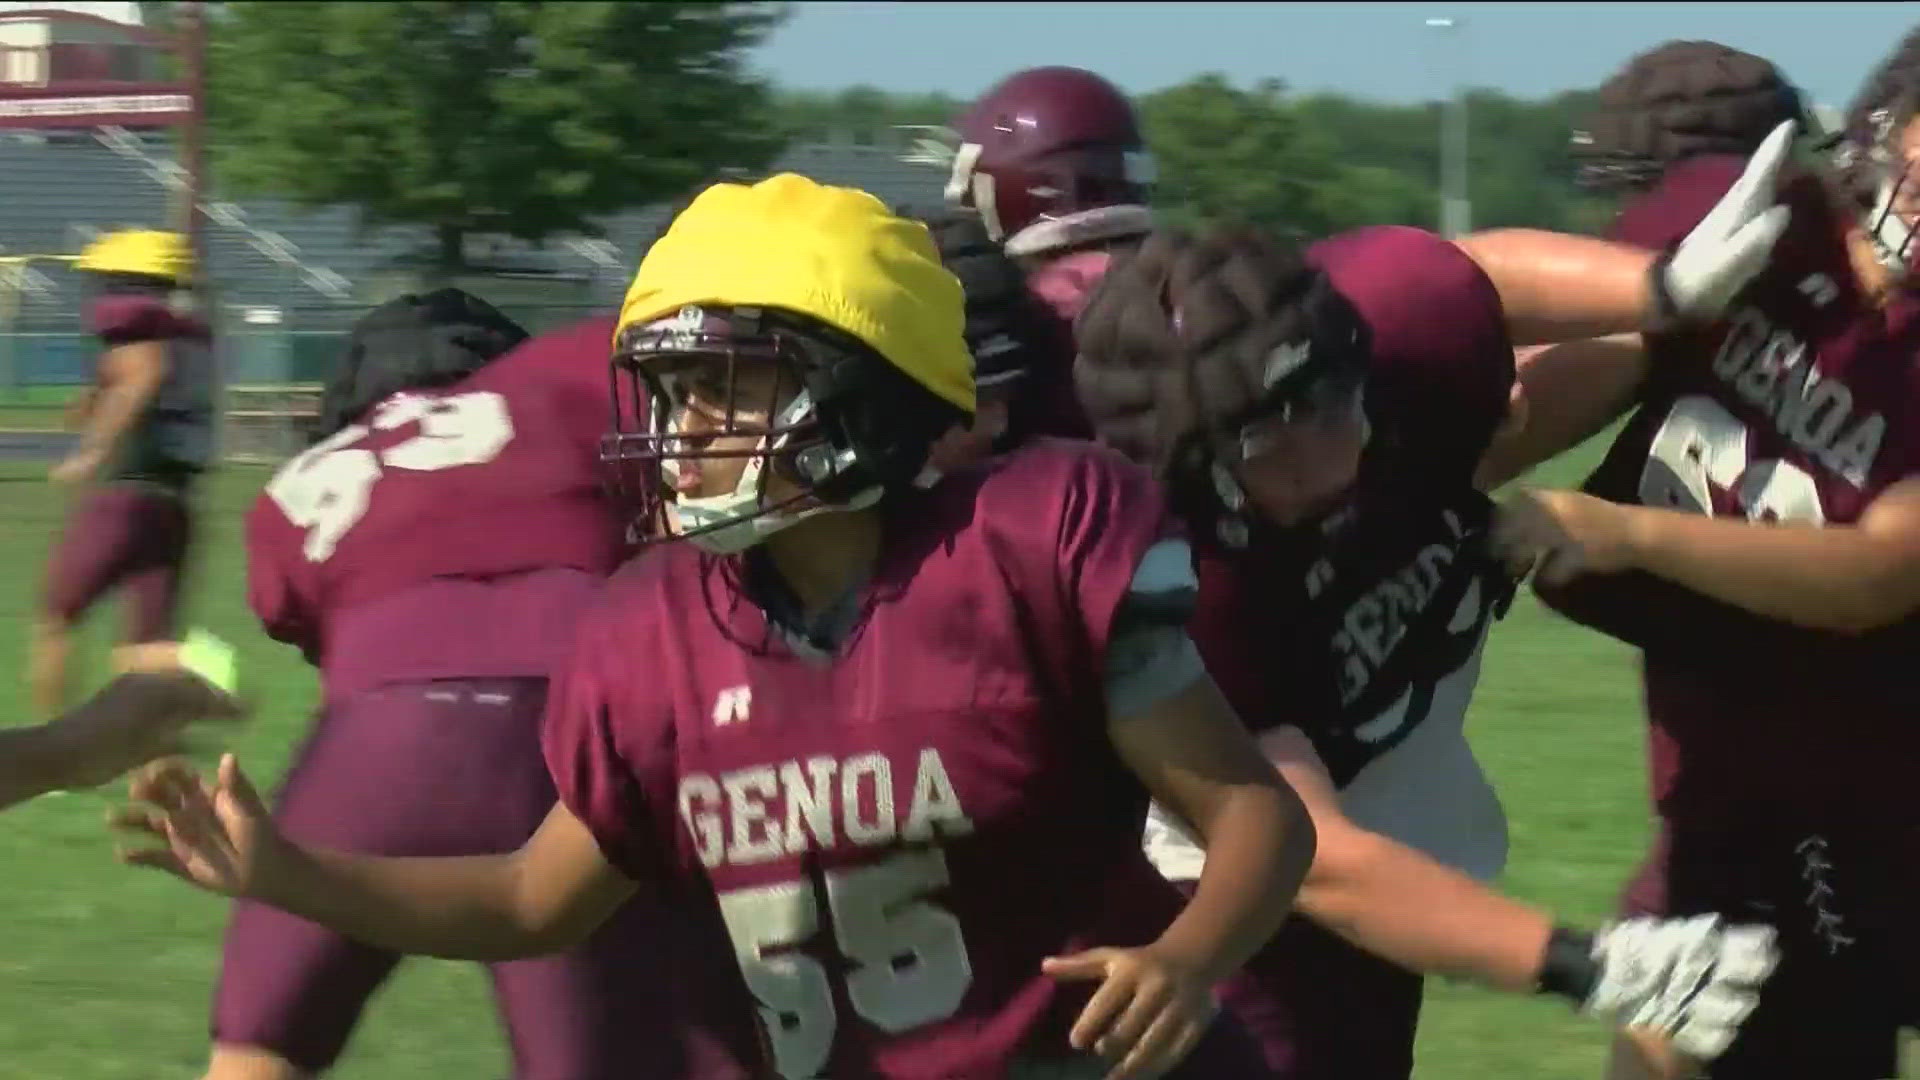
{"x": 1663, "y": 313}
{"x": 1568, "y": 968}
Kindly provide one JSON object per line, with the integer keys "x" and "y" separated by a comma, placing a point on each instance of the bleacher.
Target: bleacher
{"x": 55, "y": 194}
{"x": 279, "y": 333}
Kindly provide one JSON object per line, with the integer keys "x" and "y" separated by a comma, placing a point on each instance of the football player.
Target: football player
{"x": 1753, "y": 530}
{"x": 147, "y": 433}
{"x": 144, "y": 713}
{"x": 1415, "y": 585}
{"x": 1320, "y": 419}
{"x": 1052, "y": 162}
{"x": 1675, "y": 102}
{"x": 429, "y": 553}
{"x": 894, "y": 734}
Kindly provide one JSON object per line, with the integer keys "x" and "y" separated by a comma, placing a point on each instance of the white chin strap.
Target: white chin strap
{"x": 738, "y": 520}
{"x": 1891, "y": 233}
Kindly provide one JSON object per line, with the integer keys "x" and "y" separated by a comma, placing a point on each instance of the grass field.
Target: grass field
{"x": 34, "y": 408}
{"x": 109, "y": 970}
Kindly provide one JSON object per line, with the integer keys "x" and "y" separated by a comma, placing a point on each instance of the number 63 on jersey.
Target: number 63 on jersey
{"x": 326, "y": 489}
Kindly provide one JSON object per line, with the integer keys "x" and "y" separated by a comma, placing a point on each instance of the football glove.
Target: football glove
{"x": 1732, "y": 243}
{"x": 1693, "y": 980}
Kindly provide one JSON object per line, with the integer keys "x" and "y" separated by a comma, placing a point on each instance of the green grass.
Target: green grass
{"x": 34, "y": 408}
{"x": 108, "y": 970}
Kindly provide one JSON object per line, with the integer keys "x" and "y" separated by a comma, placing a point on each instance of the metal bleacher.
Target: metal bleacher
{"x": 56, "y": 193}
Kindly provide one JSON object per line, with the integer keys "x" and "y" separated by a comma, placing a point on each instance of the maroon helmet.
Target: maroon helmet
{"x": 1052, "y": 158}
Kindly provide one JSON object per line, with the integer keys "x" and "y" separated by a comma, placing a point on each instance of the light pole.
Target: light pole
{"x": 1456, "y": 208}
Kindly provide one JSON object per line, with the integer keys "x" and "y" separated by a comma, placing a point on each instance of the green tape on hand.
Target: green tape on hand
{"x": 211, "y": 659}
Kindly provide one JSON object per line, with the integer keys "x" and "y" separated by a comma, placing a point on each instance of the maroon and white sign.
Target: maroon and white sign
{"x": 65, "y": 109}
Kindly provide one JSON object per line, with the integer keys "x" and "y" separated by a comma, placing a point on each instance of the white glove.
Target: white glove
{"x": 1731, "y": 244}
{"x": 1693, "y": 981}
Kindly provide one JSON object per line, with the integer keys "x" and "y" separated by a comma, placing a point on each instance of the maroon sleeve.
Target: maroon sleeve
{"x": 124, "y": 320}
{"x": 273, "y": 589}
{"x": 1112, "y": 512}
{"x": 1664, "y": 216}
{"x": 592, "y": 728}
{"x": 1442, "y": 360}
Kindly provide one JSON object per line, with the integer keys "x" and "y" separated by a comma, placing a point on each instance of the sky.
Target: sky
{"x": 1382, "y": 51}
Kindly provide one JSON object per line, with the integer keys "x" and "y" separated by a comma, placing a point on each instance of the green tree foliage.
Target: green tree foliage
{"x": 1325, "y": 162}
{"x": 1241, "y": 156}
{"x": 525, "y": 119}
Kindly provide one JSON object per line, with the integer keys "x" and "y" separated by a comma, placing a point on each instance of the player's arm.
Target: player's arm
{"x": 543, "y": 898}
{"x": 1197, "y": 759}
{"x": 1569, "y": 393}
{"x": 131, "y": 375}
{"x": 1850, "y": 578}
{"x": 1558, "y": 287}
{"x": 139, "y": 716}
{"x": 32, "y": 763}
{"x": 1396, "y": 902}
{"x": 1691, "y": 981}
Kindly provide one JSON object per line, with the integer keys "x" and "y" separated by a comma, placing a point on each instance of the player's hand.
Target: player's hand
{"x": 1733, "y": 242}
{"x": 140, "y": 716}
{"x": 1150, "y": 1010}
{"x": 216, "y": 835}
{"x": 1690, "y": 982}
{"x": 77, "y": 467}
{"x": 1562, "y": 534}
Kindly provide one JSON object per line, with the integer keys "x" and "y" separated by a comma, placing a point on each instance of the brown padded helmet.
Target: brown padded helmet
{"x": 1190, "y": 338}
{"x": 1676, "y": 101}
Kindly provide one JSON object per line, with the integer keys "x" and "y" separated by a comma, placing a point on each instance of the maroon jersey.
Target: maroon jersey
{"x": 1798, "y": 407}
{"x": 173, "y": 438}
{"x": 374, "y": 549}
{"x": 897, "y": 835}
{"x": 1359, "y": 637}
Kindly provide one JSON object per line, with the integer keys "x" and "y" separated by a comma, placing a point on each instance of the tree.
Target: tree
{"x": 527, "y": 119}
{"x": 1241, "y": 156}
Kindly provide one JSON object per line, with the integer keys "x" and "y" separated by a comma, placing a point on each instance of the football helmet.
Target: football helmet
{"x": 1050, "y": 158}
{"x": 1200, "y": 355}
{"x": 1877, "y": 170}
{"x": 1676, "y": 101}
{"x": 147, "y": 253}
{"x": 1877, "y": 165}
{"x": 413, "y": 342}
{"x": 803, "y": 328}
